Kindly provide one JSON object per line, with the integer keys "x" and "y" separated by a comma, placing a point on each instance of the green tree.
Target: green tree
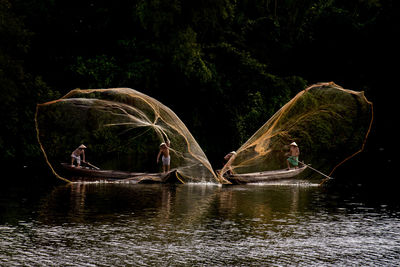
{"x": 19, "y": 90}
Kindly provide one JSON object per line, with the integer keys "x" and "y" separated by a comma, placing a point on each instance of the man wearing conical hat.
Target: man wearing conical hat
{"x": 76, "y": 155}
{"x": 293, "y": 154}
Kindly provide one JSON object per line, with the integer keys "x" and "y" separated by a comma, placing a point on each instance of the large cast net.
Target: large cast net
{"x": 122, "y": 129}
{"x": 330, "y": 125}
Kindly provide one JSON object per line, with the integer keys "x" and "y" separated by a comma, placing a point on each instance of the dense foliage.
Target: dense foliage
{"x": 224, "y": 66}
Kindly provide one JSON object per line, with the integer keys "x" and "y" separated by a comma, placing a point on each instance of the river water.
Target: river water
{"x": 104, "y": 224}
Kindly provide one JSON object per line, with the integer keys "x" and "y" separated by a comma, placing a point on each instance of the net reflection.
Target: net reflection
{"x": 162, "y": 204}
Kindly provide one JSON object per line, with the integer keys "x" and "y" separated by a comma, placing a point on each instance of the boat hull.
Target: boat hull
{"x": 75, "y": 174}
{"x": 259, "y": 177}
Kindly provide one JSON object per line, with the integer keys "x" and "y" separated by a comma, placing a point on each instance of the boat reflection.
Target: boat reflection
{"x": 106, "y": 202}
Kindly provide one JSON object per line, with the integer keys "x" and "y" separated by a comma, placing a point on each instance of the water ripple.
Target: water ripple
{"x": 204, "y": 226}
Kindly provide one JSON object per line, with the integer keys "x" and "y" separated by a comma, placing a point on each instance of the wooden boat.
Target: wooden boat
{"x": 266, "y": 176}
{"x": 91, "y": 174}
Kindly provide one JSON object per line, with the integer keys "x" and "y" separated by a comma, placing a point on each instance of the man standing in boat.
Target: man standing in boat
{"x": 293, "y": 154}
{"x": 76, "y": 155}
{"x": 166, "y": 158}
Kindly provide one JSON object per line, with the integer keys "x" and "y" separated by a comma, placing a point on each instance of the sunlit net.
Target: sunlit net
{"x": 122, "y": 129}
{"x": 330, "y": 124}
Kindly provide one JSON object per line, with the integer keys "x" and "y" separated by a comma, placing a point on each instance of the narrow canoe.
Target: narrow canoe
{"x": 266, "y": 176}
{"x": 91, "y": 174}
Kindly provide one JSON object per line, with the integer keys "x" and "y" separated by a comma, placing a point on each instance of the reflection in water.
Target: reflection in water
{"x": 85, "y": 202}
{"x": 108, "y": 224}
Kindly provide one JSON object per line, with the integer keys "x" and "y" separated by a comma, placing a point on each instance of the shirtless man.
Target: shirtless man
{"x": 166, "y": 158}
{"x": 76, "y": 155}
{"x": 293, "y": 154}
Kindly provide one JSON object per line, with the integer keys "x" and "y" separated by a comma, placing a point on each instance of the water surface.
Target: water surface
{"x": 103, "y": 224}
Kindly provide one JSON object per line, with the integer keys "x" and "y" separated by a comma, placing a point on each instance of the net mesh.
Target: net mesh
{"x": 330, "y": 124}
{"x": 122, "y": 129}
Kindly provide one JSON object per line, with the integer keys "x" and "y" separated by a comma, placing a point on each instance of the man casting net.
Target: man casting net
{"x": 122, "y": 129}
{"x": 329, "y": 124}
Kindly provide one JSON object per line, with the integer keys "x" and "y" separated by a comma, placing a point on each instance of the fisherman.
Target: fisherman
{"x": 293, "y": 154}
{"x": 227, "y": 158}
{"x": 166, "y": 158}
{"x": 76, "y": 155}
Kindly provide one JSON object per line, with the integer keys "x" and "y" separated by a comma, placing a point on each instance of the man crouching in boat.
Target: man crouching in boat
{"x": 76, "y": 155}
{"x": 228, "y": 159}
{"x": 166, "y": 158}
{"x": 293, "y": 154}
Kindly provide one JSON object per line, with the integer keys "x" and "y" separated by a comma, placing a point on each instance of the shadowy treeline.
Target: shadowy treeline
{"x": 223, "y": 66}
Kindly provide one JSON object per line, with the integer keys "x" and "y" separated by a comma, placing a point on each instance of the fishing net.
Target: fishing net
{"x": 122, "y": 129}
{"x": 330, "y": 125}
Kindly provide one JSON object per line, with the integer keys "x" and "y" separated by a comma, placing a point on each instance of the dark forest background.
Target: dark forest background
{"x": 223, "y": 66}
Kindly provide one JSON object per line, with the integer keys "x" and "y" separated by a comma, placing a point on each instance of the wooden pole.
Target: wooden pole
{"x": 316, "y": 170}
{"x": 91, "y": 165}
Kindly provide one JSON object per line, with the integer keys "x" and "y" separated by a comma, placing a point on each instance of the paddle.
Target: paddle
{"x": 91, "y": 165}
{"x": 316, "y": 170}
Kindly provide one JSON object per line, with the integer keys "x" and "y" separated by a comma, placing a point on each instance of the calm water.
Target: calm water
{"x": 103, "y": 224}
